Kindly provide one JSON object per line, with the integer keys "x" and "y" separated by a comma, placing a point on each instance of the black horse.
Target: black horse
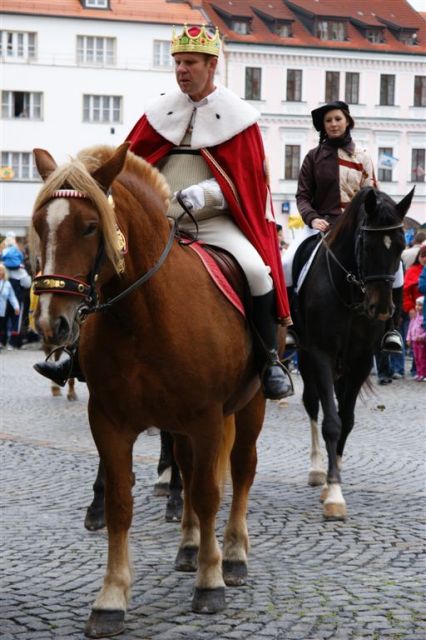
{"x": 339, "y": 313}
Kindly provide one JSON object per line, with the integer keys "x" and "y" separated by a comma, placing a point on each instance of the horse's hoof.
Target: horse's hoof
{"x": 234, "y": 572}
{"x": 56, "y": 391}
{"x": 94, "y": 520}
{"x": 187, "y": 559}
{"x": 208, "y": 600}
{"x": 174, "y": 508}
{"x": 104, "y": 623}
{"x": 72, "y": 397}
{"x": 161, "y": 489}
{"x": 316, "y": 478}
{"x": 334, "y": 511}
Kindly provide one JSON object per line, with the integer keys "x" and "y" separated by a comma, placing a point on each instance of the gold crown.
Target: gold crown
{"x": 196, "y": 39}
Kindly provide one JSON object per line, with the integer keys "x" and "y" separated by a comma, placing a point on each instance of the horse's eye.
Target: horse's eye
{"x": 90, "y": 230}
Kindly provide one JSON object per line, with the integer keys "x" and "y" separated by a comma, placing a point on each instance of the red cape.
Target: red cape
{"x": 241, "y": 177}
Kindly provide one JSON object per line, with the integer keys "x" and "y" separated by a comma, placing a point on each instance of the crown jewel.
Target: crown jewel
{"x": 195, "y": 39}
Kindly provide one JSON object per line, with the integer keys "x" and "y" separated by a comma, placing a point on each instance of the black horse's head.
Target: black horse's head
{"x": 380, "y": 242}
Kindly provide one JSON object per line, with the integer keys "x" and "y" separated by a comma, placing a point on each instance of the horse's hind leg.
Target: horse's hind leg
{"x": 317, "y": 474}
{"x": 248, "y": 424}
{"x": 187, "y": 555}
{"x": 71, "y": 394}
{"x": 108, "y": 611}
{"x": 95, "y": 514}
{"x": 174, "y": 501}
{"x": 164, "y": 467}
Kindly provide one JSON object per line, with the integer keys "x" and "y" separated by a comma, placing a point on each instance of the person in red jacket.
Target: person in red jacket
{"x": 411, "y": 291}
{"x": 207, "y": 144}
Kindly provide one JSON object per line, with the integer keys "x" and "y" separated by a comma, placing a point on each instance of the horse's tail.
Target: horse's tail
{"x": 223, "y": 459}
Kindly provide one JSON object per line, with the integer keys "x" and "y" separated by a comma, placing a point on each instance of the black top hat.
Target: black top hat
{"x": 318, "y": 114}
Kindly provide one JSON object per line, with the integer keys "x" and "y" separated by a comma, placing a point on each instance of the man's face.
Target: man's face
{"x": 194, "y": 74}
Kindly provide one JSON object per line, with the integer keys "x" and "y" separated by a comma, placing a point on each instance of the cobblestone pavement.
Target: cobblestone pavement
{"x": 309, "y": 579}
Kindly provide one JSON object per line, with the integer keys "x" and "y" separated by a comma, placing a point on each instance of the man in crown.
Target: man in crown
{"x": 207, "y": 144}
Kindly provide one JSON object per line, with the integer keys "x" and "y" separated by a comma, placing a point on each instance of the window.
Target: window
{"x": 387, "y": 90}
{"x": 420, "y": 91}
{"x": 385, "y": 164}
{"x": 292, "y": 161}
{"x": 240, "y": 26}
{"x": 18, "y": 44}
{"x": 418, "y": 165}
{"x": 352, "y": 88}
{"x": 96, "y": 4}
{"x": 22, "y": 164}
{"x": 162, "y": 55}
{"x": 102, "y": 108}
{"x": 331, "y": 30}
{"x": 294, "y": 85}
{"x": 95, "y": 50}
{"x": 407, "y": 37}
{"x": 332, "y": 82}
{"x": 282, "y": 29}
{"x": 375, "y": 35}
{"x": 253, "y": 83}
{"x": 21, "y": 104}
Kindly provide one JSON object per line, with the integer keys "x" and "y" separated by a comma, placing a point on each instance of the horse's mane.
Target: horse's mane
{"x": 77, "y": 175}
{"x": 354, "y": 214}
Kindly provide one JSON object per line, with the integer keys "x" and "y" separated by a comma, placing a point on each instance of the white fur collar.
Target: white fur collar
{"x": 221, "y": 118}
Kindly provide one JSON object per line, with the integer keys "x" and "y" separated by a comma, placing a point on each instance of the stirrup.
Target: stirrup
{"x": 392, "y": 342}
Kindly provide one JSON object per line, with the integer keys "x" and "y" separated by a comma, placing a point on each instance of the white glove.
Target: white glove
{"x": 193, "y": 197}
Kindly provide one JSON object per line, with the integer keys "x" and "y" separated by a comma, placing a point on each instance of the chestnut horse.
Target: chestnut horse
{"x": 164, "y": 348}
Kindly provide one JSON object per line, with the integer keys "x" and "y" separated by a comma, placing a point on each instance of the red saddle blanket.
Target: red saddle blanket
{"x": 206, "y": 253}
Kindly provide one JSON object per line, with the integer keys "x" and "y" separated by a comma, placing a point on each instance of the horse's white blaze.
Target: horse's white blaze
{"x": 334, "y": 495}
{"x": 43, "y": 319}
{"x": 57, "y": 211}
{"x": 387, "y": 242}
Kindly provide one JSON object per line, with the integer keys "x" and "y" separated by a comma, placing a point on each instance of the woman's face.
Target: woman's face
{"x": 335, "y": 123}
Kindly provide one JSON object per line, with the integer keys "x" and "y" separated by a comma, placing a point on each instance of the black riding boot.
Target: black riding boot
{"x": 60, "y": 372}
{"x": 276, "y": 383}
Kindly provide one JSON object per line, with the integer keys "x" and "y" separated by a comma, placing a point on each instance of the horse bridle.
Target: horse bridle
{"x": 53, "y": 283}
{"x": 361, "y": 280}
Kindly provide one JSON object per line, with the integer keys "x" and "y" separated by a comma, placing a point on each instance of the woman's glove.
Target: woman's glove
{"x": 193, "y": 197}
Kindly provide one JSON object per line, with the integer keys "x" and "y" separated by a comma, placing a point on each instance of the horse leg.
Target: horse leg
{"x": 248, "y": 424}
{"x": 71, "y": 394}
{"x": 108, "y": 611}
{"x": 317, "y": 473}
{"x": 174, "y": 501}
{"x": 56, "y": 391}
{"x": 334, "y": 507}
{"x": 161, "y": 487}
{"x": 207, "y": 442}
{"x": 187, "y": 555}
{"x": 95, "y": 514}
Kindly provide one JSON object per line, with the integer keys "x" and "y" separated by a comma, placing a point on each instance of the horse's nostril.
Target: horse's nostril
{"x": 62, "y": 327}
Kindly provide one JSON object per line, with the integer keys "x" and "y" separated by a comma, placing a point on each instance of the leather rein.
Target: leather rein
{"x": 58, "y": 284}
{"x": 351, "y": 278}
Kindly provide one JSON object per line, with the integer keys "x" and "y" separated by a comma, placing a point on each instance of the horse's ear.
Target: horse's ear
{"x": 405, "y": 203}
{"x": 370, "y": 202}
{"x": 107, "y": 173}
{"x": 44, "y": 162}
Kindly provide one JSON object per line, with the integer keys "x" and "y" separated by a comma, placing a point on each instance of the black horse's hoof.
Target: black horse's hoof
{"x": 187, "y": 559}
{"x": 104, "y": 623}
{"x": 208, "y": 600}
{"x": 95, "y": 519}
{"x": 234, "y": 572}
{"x": 174, "y": 507}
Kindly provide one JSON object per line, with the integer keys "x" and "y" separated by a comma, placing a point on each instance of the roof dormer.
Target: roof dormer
{"x": 236, "y": 19}
{"x": 95, "y": 4}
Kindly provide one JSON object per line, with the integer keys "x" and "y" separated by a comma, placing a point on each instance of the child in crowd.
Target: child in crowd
{"x": 7, "y": 295}
{"x": 416, "y": 337}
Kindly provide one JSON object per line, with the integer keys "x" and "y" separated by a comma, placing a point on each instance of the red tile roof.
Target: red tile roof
{"x": 156, "y": 11}
{"x": 390, "y": 15}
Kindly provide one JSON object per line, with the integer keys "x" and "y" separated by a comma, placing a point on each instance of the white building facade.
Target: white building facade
{"x": 68, "y": 83}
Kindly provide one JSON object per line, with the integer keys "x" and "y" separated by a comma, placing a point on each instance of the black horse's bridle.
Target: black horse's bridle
{"x": 361, "y": 279}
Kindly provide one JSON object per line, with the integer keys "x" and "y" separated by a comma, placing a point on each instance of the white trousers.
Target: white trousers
{"x": 288, "y": 258}
{"x": 223, "y": 232}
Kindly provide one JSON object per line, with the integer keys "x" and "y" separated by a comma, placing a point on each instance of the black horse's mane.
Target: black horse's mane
{"x": 385, "y": 213}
